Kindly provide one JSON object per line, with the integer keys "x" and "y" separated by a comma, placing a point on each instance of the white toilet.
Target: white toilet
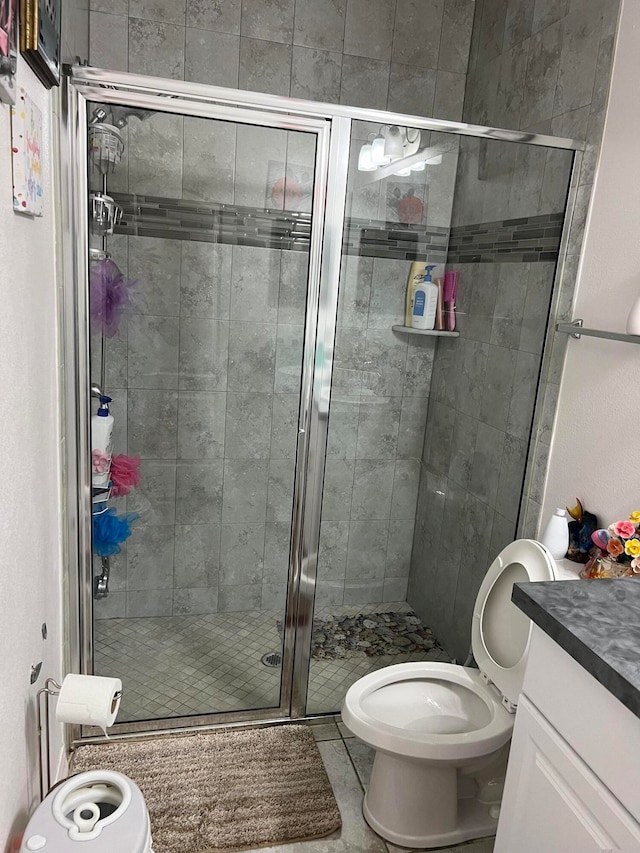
{"x": 441, "y": 731}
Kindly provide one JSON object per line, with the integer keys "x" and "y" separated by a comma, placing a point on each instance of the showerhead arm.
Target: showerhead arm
{"x": 121, "y": 115}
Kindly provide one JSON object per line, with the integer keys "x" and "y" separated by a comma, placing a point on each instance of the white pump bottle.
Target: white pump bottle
{"x": 425, "y": 302}
{"x": 101, "y": 444}
{"x": 556, "y": 534}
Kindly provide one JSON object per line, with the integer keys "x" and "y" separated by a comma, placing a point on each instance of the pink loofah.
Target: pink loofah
{"x": 124, "y": 474}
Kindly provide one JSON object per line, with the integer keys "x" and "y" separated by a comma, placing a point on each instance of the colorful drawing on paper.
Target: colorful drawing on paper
{"x": 26, "y": 146}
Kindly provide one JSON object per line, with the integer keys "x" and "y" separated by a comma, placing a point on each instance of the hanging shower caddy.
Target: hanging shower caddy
{"x": 105, "y": 214}
{"x": 105, "y": 149}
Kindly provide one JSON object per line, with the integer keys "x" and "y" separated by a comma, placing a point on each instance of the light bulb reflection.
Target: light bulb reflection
{"x": 365, "y": 162}
{"x": 377, "y": 151}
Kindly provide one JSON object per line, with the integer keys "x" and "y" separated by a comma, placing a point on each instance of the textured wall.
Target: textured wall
{"x": 545, "y": 66}
{"x": 379, "y": 402}
{"x": 205, "y": 380}
{"x": 404, "y": 55}
{"x": 75, "y": 30}
{"x": 593, "y": 446}
{"x": 187, "y": 555}
{"x": 533, "y": 66}
{"x": 481, "y": 399}
{"x": 30, "y": 577}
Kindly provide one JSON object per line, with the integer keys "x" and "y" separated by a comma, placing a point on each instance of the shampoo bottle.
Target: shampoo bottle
{"x": 416, "y": 275}
{"x": 101, "y": 444}
{"x": 425, "y": 302}
{"x": 556, "y": 534}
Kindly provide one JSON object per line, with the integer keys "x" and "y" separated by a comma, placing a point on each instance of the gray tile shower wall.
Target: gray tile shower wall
{"x": 215, "y": 425}
{"x": 207, "y": 396}
{"x": 549, "y": 74}
{"x": 192, "y": 377}
{"x": 376, "y": 429}
{"x": 478, "y": 426}
{"x": 409, "y": 56}
{"x": 379, "y": 402}
{"x": 542, "y": 67}
{"x": 74, "y": 38}
{"x": 484, "y": 384}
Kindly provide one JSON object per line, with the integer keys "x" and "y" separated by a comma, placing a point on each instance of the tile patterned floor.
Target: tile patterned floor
{"x": 191, "y": 665}
{"x": 186, "y": 665}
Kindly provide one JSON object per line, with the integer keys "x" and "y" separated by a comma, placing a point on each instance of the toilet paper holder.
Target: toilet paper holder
{"x": 51, "y": 688}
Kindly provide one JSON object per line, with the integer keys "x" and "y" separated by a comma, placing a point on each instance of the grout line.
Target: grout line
{"x": 362, "y": 788}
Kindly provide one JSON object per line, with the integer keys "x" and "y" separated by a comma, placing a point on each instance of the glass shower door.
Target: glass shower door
{"x": 204, "y": 279}
{"x": 429, "y": 431}
{"x": 397, "y": 216}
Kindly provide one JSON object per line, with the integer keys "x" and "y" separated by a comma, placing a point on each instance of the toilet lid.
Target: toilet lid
{"x": 500, "y": 632}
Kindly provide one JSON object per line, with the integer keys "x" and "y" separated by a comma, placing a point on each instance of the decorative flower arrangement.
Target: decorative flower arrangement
{"x": 620, "y": 543}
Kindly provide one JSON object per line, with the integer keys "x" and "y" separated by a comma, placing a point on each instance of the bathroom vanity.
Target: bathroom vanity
{"x": 573, "y": 781}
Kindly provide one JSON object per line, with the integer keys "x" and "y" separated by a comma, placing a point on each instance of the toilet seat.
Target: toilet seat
{"x": 360, "y": 717}
{"x": 500, "y": 632}
{"x": 500, "y": 642}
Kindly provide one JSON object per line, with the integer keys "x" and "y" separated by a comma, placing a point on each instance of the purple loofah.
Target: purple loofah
{"x": 108, "y": 297}
{"x": 110, "y": 529}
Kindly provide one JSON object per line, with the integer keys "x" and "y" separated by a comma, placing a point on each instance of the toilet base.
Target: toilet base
{"x": 414, "y": 803}
{"x": 473, "y": 821}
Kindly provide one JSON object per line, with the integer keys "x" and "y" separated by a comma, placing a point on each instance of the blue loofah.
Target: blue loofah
{"x": 110, "y": 529}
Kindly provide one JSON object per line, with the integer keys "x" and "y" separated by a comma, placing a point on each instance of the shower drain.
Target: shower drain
{"x": 271, "y": 659}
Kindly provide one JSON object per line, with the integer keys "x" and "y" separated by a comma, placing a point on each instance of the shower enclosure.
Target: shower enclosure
{"x": 313, "y": 475}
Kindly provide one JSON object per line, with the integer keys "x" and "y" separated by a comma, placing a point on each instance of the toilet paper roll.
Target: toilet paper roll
{"x": 90, "y": 700}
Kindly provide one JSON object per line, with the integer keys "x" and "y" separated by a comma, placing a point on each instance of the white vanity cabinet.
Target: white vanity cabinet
{"x": 573, "y": 780}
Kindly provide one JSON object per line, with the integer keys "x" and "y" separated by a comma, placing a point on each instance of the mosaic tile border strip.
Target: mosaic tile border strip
{"x": 178, "y": 219}
{"x": 527, "y": 239}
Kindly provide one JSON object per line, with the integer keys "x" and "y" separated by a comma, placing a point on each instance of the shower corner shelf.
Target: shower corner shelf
{"x": 436, "y": 333}
{"x": 576, "y": 330}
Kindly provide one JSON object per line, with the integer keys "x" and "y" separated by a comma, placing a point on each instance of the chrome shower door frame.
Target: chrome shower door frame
{"x": 332, "y": 145}
{"x": 332, "y": 124}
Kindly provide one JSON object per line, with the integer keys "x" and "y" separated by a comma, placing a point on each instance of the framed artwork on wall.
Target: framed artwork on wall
{"x": 8, "y": 50}
{"x": 40, "y": 38}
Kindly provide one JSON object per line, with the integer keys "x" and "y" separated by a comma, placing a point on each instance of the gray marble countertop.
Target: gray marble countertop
{"x": 597, "y": 622}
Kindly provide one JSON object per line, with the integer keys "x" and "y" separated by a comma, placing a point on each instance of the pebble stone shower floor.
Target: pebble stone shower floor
{"x": 191, "y": 665}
